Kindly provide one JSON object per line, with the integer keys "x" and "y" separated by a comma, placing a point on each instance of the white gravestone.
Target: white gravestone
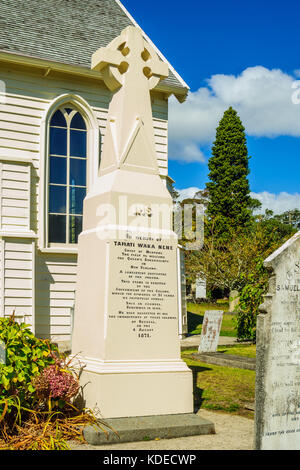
{"x": 277, "y": 420}
{"x": 200, "y": 288}
{"x": 211, "y": 328}
{"x": 234, "y": 300}
{"x": 126, "y": 322}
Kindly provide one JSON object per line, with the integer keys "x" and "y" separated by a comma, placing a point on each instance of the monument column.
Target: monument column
{"x": 126, "y": 311}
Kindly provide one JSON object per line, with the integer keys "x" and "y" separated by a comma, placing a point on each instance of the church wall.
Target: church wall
{"x": 55, "y": 295}
{"x": 26, "y": 271}
{"x": 15, "y": 196}
{"x": 18, "y": 283}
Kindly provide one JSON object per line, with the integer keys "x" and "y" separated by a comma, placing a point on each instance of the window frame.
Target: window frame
{"x": 68, "y": 118}
{"x": 93, "y": 159}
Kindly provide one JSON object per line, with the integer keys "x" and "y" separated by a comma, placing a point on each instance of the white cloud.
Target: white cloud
{"x": 187, "y": 193}
{"x": 278, "y": 203}
{"x": 262, "y": 98}
{"x": 187, "y": 151}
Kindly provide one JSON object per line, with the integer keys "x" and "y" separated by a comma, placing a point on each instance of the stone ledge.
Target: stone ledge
{"x": 228, "y": 360}
{"x": 148, "y": 428}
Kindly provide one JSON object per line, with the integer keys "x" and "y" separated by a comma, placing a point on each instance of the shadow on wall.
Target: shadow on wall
{"x": 55, "y": 294}
{"x": 44, "y": 280}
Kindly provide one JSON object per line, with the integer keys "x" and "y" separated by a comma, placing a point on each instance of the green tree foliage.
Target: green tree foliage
{"x": 278, "y": 227}
{"x": 276, "y": 230}
{"x": 237, "y": 263}
{"x": 174, "y": 194}
{"x": 228, "y": 264}
{"x": 256, "y": 285}
{"x": 290, "y": 218}
{"x": 230, "y": 204}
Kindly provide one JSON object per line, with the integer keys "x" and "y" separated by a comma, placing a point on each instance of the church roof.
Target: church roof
{"x": 65, "y": 31}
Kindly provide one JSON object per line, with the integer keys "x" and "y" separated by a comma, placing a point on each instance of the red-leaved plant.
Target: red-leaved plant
{"x": 56, "y": 382}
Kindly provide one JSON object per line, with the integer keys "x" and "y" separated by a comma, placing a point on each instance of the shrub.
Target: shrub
{"x": 26, "y": 357}
{"x": 56, "y": 382}
{"x": 36, "y": 387}
{"x": 250, "y": 299}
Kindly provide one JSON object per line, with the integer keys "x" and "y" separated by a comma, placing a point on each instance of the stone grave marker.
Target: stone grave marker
{"x": 277, "y": 401}
{"x": 211, "y": 328}
{"x": 234, "y": 300}
{"x": 200, "y": 288}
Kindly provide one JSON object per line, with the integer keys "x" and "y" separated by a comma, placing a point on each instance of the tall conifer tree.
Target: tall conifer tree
{"x": 229, "y": 192}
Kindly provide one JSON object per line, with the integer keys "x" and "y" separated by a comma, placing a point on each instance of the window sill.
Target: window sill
{"x": 15, "y": 159}
{"x": 18, "y": 234}
{"x": 59, "y": 250}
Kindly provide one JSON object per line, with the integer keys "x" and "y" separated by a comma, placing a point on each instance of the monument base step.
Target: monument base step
{"x": 149, "y": 428}
{"x": 228, "y": 360}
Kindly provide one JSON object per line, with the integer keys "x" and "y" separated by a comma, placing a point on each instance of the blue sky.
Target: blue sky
{"x": 244, "y": 54}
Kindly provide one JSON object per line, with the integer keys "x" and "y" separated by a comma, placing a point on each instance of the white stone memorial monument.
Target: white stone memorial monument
{"x": 126, "y": 311}
{"x": 277, "y": 400}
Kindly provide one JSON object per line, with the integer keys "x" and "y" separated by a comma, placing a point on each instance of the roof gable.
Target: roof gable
{"x": 65, "y": 31}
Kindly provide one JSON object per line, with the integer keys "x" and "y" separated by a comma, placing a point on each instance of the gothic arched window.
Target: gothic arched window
{"x": 67, "y": 175}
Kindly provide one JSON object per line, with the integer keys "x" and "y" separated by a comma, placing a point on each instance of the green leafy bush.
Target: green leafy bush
{"x": 37, "y": 384}
{"x": 26, "y": 357}
{"x": 250, "y": 299}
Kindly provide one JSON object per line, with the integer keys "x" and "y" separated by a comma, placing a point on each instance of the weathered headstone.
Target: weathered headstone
{"x": 126, "y": 310}
{"x": 277, "y": 418}
{"x": 211, "y": 328}
{"x": 234, "y": 299}
{"x": 2, "y": 353}
{"x": 200, "y": 288}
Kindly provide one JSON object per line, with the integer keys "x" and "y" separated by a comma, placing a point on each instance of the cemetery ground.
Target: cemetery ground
{"x": 196, "y": 314}
{"x": 220, "y": 388}
{"x": 223, "y": 395}
{"x": 224, "y": 389}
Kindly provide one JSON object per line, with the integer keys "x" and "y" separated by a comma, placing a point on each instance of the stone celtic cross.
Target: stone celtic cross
{"x": 130, "y": 68}
{"x": 129, "y": 57}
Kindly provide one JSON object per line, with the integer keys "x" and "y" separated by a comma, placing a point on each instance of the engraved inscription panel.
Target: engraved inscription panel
{"x": 142, "y": 307}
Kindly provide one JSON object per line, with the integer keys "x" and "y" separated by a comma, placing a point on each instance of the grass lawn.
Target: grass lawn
{"x": 196, "y": 314}
{"x": 219, "y": 388}
{"x": 244, "y": 350}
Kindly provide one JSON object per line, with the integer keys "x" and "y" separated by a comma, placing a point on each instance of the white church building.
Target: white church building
{"x": 53, "y": 111}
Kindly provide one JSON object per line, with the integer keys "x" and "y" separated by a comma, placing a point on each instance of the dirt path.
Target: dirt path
{"x": 232, "y": 433}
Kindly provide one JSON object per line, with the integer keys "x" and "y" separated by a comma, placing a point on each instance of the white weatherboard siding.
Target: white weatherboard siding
{"x": 29, "y": 96}
{"x": 55, "y": 291}
{"x": 18, "y": 260}
{"x": 15, "y": 196}
{"x": 36, "y": 284}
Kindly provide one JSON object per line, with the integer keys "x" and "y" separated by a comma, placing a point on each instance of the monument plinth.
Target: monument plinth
{"x": 126, "y": 326}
